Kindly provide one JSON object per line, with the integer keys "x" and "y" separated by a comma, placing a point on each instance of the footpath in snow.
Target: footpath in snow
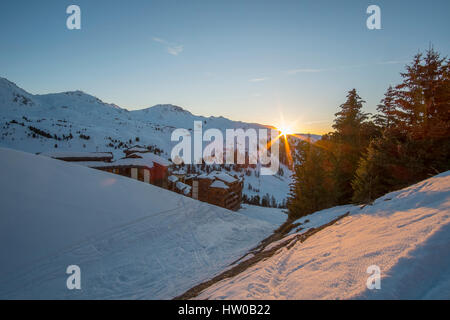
{"x": 131, "y": 240}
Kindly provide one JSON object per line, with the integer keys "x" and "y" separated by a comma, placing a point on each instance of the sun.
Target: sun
{"x": 285, "y": 130}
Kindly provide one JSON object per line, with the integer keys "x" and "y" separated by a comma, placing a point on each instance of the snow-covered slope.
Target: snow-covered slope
{"x": 76, "y": 121}
{"x": 405, "y": 233}
{"x": 130, "y": 239}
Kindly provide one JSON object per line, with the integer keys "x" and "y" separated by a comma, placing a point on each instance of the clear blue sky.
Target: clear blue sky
{"x": 246, "y": 60}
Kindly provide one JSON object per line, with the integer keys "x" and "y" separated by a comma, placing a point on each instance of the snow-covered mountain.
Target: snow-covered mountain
{"x": 75, "y": 113}
{"x": 77, "y": 121}
{"x": 130, "y": 239}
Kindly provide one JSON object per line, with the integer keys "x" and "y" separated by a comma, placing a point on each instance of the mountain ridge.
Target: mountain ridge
{"x": 43, "y": 99}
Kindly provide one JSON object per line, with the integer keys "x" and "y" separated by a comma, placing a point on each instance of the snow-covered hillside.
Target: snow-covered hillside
{"x": 405, "y": 233}
{"x": 130, "y": 239}
{"x": 106, "y": 125}
{"x": 76, "y": 121}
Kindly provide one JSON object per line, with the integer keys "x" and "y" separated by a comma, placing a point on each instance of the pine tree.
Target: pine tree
{"x": 370, "y": 180}
{"x": 348, "y": 144}
{"x": 349, "y": 119}
{"x": 417, "y": 145}
{"x": 311, "y": 189}
{"x": 422, "y": 97}
{"x": 386, "y": 117}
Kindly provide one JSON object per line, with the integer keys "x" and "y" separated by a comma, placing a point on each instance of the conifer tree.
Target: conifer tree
{"x": 349, "y": 142}
{"x": 312, "y": 188}
{"x": 422, "y": 97}
{"x": 417, "y": 145}
{"x": 386, "y": 116}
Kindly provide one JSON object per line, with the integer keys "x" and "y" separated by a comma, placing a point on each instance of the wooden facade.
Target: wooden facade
{"x": 79, "y": 156}
{"x": 158, "y": 166}
{"x": 145, "y": 167}
{"x": 218, "y": 188}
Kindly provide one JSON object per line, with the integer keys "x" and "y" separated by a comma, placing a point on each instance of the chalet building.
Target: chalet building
{"x": 71, "y": 156}
{"x": 183, "y": 188}
{"x": 135, "y": 149}
{"x": 156, "y": 165}
{"x": 171, "y": 182}
{"x": 144, "y": 170}
{"x": 218, "y": 188}
{"x": 180, "y": 174}
{"x": 146, "y": 167}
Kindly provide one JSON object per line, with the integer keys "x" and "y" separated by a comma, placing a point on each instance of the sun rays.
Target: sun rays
{"x": 285, "y": 130}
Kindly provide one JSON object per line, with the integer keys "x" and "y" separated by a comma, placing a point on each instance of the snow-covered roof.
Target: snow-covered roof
{"x": 125, "y": 162}
{"x": 172, "y": 178}
{"x": 187, "y": 190}
{"x": 94, "y": 164}
{"x": 134, "y": 162}
{"x": 183, "y": 187}
{"x": 213, "y": 175}
{"x": 73, "y": 154}
{"x": 154, "y": 158}
{"x": 136, "y": 149}
{"x": 179, "y": 171}
{"x": 218, "y": 184}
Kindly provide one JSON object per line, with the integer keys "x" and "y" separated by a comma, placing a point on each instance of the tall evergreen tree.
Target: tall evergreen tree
{"x": 349, "y": 142}
{"x": 386, "y": 116}
{"x": 422, "y": 97}
{"x": 418, "y": 144}
{"x": 311, "y": 189}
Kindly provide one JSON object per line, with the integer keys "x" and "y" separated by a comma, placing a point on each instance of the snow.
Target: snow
{"x": 218, "y": 184}
{"x": 314, "y": 220}
{"x": 186, "y": 189}
{"x": 137, "y": 149}
{"x": 219, "y": 175}
{"x": 406, "y": 233}
{"x": 274, "y": 216}
{"x": 172, "y": 178}
{"x": 274, "y": 185}
{"x": 94, "y": 164}
{"x": 72, "y": 154}
{"x": 131, "y": 240}
{"x": 138, "y": 162}
{"x": 148, "y": 156}
{"x": 322, "y": 217}
{"x": 109, "y": 128}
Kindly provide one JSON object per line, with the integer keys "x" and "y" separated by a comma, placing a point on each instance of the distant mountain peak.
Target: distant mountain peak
{"x": 7, "y": 82}
{"x": 165, "y": 108}
{"x": 76, "y": 92}
{"x": 170, "y": 107}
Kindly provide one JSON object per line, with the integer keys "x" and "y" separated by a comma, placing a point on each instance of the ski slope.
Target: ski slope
{"x": 405, "y": 233}
{"x": 131, "y": 240}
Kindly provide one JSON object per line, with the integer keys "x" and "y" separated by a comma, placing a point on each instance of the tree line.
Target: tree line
{"x": 366, "y": 155}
